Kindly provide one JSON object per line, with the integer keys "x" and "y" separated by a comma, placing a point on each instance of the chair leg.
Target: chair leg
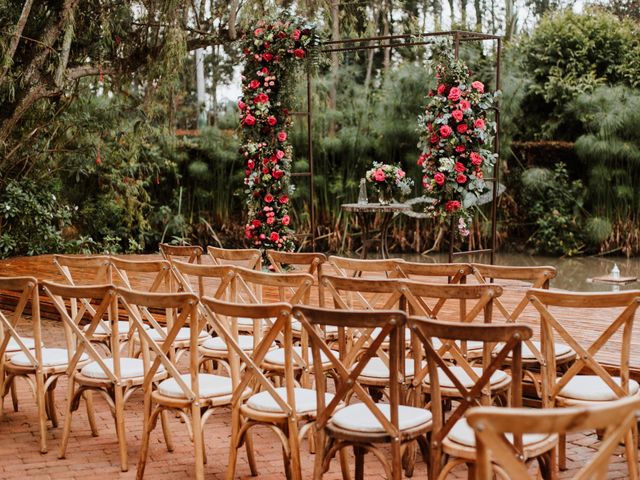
{"x": 67, "y": 419}
{"x": 120, "y": 431}
{"x": 294, "y": 449}
{"x": 359, "y": 454}
{"x": 248, "y": 442}
{"x": 562, "y": 452}
{"x": 631, "y": 452}
{"x": 91, "y": 414}
{"x": 50, "y": 396}
{"x": 344, "y": 464}
{"x": 166, "y": 430}
{"x": 146, "y": 434}
{"x": 42, "y": 413}
{"x": 14, "y": 394}
{"x": 196, "y": 425}
{"x": 233, "y": 449}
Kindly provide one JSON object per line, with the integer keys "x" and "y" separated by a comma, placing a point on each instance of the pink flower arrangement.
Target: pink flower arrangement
{"x": 456, "y": 142}
{"x": 389, "y": 180}
{"x": 273, "y": 51}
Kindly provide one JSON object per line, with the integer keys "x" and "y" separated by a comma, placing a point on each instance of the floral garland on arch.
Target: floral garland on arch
{"x": 456, "y": 138}
{"x": 273, "y": 52}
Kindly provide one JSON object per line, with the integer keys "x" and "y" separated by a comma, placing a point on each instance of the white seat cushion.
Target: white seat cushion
{"x": 183, "y": 334}
{"x": 463, "y": 434}
{"x": 376, "y": 368}
{"x": 129, "y": 368}
{"x": 12, "y": 345}
{"x": 51, "y": 357}
{"x": 123, "y": 327}
{"x": 209, "y": 385}
{"x": 592, "y": 388}
{"x": 296, "y": 326}
{"x": 359, "y": 418}
{"x": 472, "y": 345}
{"x": 527, "y": 354}
{"x": 376, "y": 331}
{"x": 304, "y": 397}
{"x": 218, "y": 343}
{"x": 497, "y": 377}
{"x": 276, "y": 356}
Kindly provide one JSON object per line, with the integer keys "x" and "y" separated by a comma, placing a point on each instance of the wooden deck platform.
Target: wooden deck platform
{"x": 584, "y": 324}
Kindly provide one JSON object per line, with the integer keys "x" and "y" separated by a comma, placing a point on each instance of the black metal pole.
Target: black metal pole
{"x": 312, "y": 207}
{"x": 496, "y": 167}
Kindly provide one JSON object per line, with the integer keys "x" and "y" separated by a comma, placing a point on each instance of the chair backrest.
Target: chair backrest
{"x": 490, "y": 424}
{"x": 264, "y": 287}
{"x": 289, "y": 262}
{"x": 349, "y": 293}
{"x": 142, "y": 275}
{"x": 186, "y": 305}
{"x": 353, "y": 267}
{"x": 253, "y": 376}
{"x": 216, "y": 281}
{"x": 242, "y": 257}
{"x": 622, "y": 304}
{"x": 78, "y": 339}
{"x": 430, "y": 272}
{"x": 26, "y": 288}
{"x": 187, "y": 253}
{"x": 392, "y": 324}
{"x": 509, "y": 337}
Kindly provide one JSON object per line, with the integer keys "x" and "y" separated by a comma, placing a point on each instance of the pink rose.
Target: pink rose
{"x": 274, "y": 237}
{"x": 452, "y": 206}
{"x": 457, "y": 115}
{"x": 441, "y": 89}
{"x": 271, "y": 120}
{"x": 270, "y": 220}
{"x": 279, "y": 154}
{"x": 401, "y": 173}
{"x": 479, "y": 174}
{"x": 462, "y": 128}
{"x": 459, "y": 167}
{"x": 258, "y": 31}
{"x": 461, "y": 178}
{"x": 299, "y": 53}
{"x": 249, "y": 120}
{"x": 241, "y": 105}
{"x": 378, "y": 175}
{"x": 286, "y": 220}
{"x": 454, "y": 94}
{"x": 282, "y": 136}
{"x": 262, "y": 236}
{"x": 476, "y": 158}
{"x": 460, "y": 149}
{"x": 464, "y": 105}
{"x": 479, "y": 124}
{"x": 425, "y": 181}
{"x": 295, "y": 35}
{"x": 445, "y": 131}
{"x": 253, "y": 84}
{"x": 479, "y": 86}
{"x": 268, "y": 198}
{"x": 439, "y": 178}
{"x": 283, "y": 199}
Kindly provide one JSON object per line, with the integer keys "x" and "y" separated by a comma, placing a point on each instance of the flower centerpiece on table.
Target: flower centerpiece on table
{"x": 456, "y": 137}
{"x": 274, "y": 50}
{"x": 389, "y": 181}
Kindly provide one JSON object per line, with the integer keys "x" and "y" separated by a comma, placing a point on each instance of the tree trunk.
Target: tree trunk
{"x": 477, "y": 5}
{"x": 13, "y": 46}
{"x": 463, "y": 13}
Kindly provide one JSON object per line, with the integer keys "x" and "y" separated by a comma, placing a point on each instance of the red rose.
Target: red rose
{"x": 241, "y": 105}
{"x": 267, "y": 57}
{"x": 268, "y": 198}
{"x": 299, "y": 53}
{"x": 258, "y": 31}
{"x": 457, "y": 115}
{"x": 479, "y": 124}
{"x": 459, "y": 167}
{"x": 476, "y": 158}
{"x": 264, "y": 71}
{"x": 452, "y": 206}
{"x": 462, "y": 128}
{"x": 439, "y": 178}
{"x": 464, "y": 105}
{"x": 256, "y": 223}
{"x": 441, "y": 89}
{"x": 479, "y": 86}
{"x": 421, "y": 159}
{"x": 261, "y": 98}
{"x": 295, "y": 35}
{"x": 461, "y": 178}
{"x": 277, "y": 174}
{"x": 282, "y": 136}
{"x": 251, "y": 164}
{"x": 434, "y": 138}
{"x": 283, "y": 199}
{"x": 286, "y": 220}
{"x": 460, "y": 149}
{"x": 454, "y": 94}
{"x": 253, "y": 84}
{"x": 274, "y": 237}
{"x": 271, "y": 120}
{"x": 249, "y": 120}
{"x": 445, "y": 131}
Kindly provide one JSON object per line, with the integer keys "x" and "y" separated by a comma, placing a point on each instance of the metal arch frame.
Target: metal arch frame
{"x": 403, "y": 41}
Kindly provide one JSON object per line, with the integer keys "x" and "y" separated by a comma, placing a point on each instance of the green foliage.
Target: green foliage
{"x": 570, "y": 54}
{"x": 553, "y": 206}
{"x": 32, "y": 218}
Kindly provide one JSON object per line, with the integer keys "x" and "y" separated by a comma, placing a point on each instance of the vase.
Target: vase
{"x": 385, "y": 196}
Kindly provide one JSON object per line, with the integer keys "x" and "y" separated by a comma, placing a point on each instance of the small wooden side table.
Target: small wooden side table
{"x": 366, "y": 210}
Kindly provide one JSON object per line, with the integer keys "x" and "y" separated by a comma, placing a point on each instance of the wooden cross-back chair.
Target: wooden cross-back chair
{"x": 115, "y": 377}
{"x": 250, "y": 258}
{"x": 287, "y": 410}
{"x": 574, "y": 388}
{"x": 353, "y": 267}
{"x": 435, "y": 301}
{"x": 80, "y": 270}
{"x": 25, "y": 357}
{"x": 184, "y": 253}
{"x": 300, "y": 262}
{"x": 448, "y": 272}
{"x": 219, "y": 282}
{"x": 192, "y": 395}
{"x": 358, "y": 294}
{"x": 452, "y": 439}
{"x": 366, "y": 424}
{"x": 518, "y": 281}
{"x": 495, "y": 454}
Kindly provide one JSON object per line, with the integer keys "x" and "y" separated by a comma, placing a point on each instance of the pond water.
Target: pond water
{"x": 573, "y": 273}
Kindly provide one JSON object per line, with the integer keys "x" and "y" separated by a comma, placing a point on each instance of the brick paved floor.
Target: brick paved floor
{"x": 94, "y": 458}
